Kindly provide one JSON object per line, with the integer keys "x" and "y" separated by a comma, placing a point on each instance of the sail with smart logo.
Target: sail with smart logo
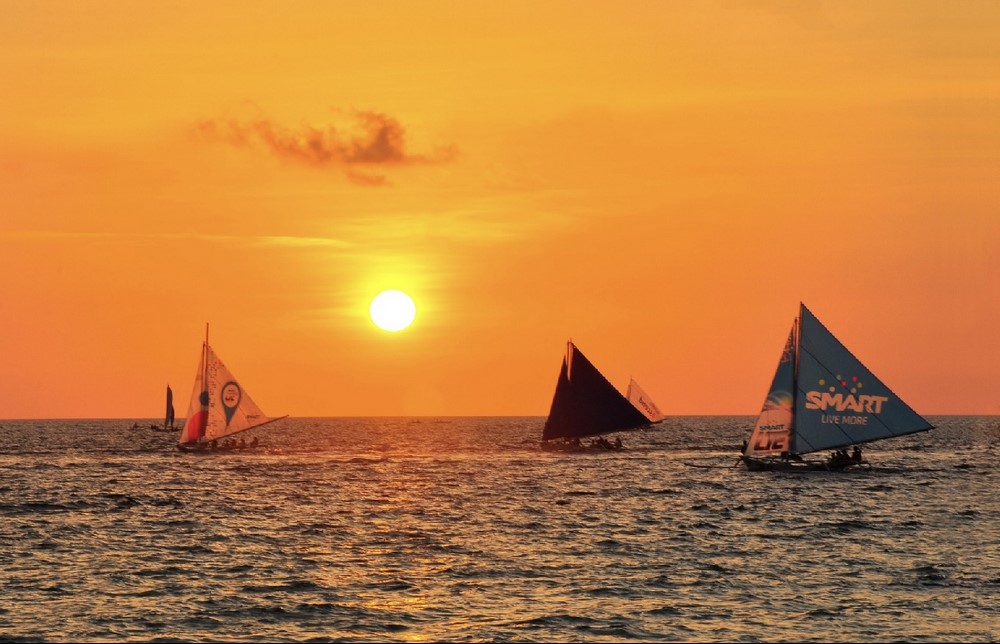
{"x": 220, "y": 407}
{"x": 823, "y": 398}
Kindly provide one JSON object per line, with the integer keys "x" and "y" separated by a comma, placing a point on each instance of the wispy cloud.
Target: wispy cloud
{"x": 370, "y": 139}
{"x": 300, "y": 242}
{"x": 279, "y": 241}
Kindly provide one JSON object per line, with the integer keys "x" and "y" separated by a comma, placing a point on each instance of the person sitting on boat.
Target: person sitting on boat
{"x": 856, "y": 454}
{"x": 618, "y": 442}
{"x": 254, "y": 442}
{"x": 838, "y": 459}
{"x": 601, "y": 442}
{"x": 243, "y": 443}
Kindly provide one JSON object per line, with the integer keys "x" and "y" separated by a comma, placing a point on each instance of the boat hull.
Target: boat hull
{"x": 754, "y": 464}
{"x": 559, "y": 446}
{"x": 204, "y": 448}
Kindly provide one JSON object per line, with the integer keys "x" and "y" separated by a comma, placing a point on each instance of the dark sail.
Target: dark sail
{"x": 586, "y": 404}
{"x": 168, "y": 420}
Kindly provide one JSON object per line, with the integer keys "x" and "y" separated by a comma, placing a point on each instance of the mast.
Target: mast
{"x": 204, "y": 376}
{"x": 204, "y": 355}
{"x": 796, "y": 343}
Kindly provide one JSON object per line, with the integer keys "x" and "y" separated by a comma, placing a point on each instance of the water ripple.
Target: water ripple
{"x": 461, "y": 529}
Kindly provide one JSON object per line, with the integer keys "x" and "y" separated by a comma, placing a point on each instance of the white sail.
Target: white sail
{"x": 643, "y": 402}
{"x": 230, "y": 408}
{"x": 219, "y": 406}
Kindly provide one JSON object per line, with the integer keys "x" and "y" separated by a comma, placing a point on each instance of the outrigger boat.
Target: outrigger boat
{"x": 586, "y": 405}
{"x": 823, "y": 398}
{"x": 219, "y": 408}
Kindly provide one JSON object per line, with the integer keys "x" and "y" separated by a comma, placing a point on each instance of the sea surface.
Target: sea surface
{"x": 463, "y": 529}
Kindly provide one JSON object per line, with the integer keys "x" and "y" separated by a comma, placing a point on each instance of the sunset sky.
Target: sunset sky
{"x": 663, "y": 182}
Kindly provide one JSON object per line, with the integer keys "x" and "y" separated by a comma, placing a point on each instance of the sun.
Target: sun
{"x": 392, "y": 310}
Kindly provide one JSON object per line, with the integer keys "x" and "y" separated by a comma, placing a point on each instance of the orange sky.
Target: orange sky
{"x": 663, "y": 182}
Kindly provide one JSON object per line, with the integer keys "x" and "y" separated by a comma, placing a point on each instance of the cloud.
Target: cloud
{"x": 371, "y": 139}
{"x": 300, "y": 242}
{"x": 269, "y": 241}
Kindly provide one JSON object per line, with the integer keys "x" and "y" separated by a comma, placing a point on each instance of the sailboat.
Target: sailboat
{"x": 168, "y": 419}
{"x": 585, "y": 404}
{"x": 220, "y": 407}
{"x": 823, "y": 398}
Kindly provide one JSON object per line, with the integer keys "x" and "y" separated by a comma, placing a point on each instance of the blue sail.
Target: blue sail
{"x": 772, "y": 434}
{"x": 839, "y": 401}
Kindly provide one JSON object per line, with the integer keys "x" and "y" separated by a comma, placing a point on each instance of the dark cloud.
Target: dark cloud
{"x": 370, "y": 140}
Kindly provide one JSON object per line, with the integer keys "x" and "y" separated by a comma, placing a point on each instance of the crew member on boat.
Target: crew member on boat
{"x": 839, "y": 460}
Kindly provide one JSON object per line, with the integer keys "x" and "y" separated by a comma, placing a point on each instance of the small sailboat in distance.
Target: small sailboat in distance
{"x": 168, "y": 419}
{"x": 585, "y": 404}
{"x": 168, "y": 416}
{"x": 823, "y": 398}
{"x": 219, "y": 406}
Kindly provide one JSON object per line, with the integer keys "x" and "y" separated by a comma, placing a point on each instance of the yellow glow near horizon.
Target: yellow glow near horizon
{"x": 392, "y": 310}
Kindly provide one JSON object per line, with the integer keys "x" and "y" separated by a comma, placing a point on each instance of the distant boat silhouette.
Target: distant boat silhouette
{"x": 168, "y": 419}
{"x": 219, "y": 406}
{"x": 585, "y": 404}
{"x": 823, "y": 398}
{"x": 168, "y": 416}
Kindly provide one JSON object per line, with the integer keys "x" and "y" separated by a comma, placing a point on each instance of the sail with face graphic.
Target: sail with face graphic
{"x": 219, "y": 405}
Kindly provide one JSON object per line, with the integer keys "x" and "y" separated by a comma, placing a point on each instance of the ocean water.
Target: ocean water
{"x": 462, "y": 529}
